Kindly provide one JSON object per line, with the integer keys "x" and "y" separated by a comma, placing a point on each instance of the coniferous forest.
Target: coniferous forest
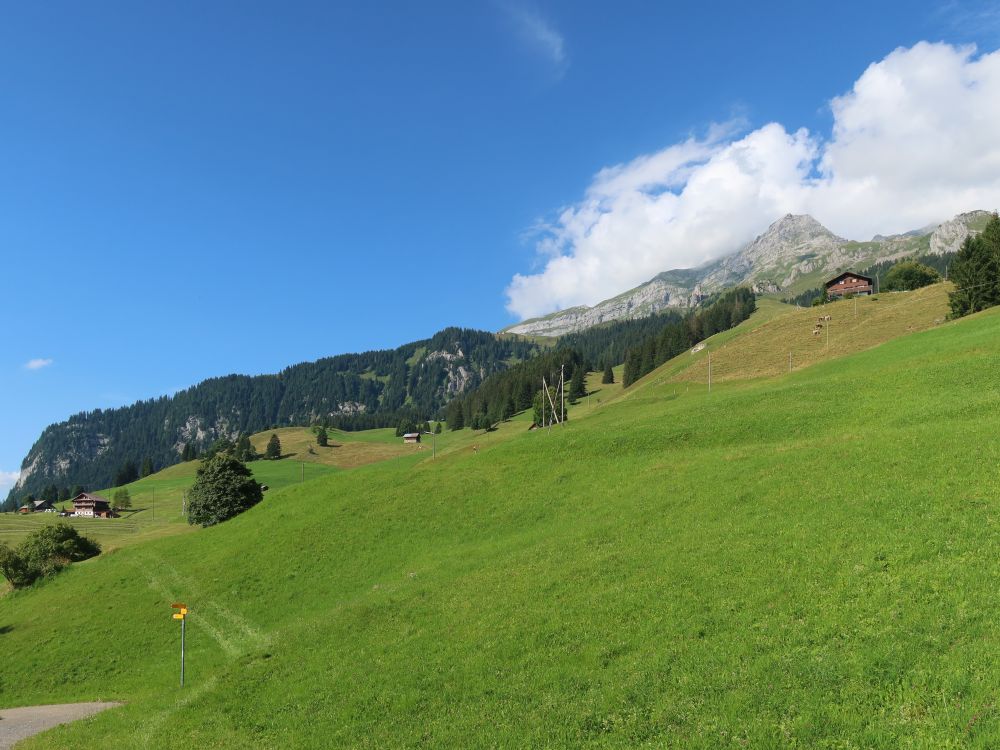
{"x": 469, "y": 378}
{"x": 352, "y": 391}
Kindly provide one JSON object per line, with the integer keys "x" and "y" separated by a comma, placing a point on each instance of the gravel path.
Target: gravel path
{"x": 17, "y": 724}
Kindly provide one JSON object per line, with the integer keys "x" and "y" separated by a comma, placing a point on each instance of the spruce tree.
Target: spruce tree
{"x": 577, "y": 386}
{"x": 147, "y": 467}
{"x": 322, "y": 438}
{"x": 609, "y": 374}
{"x": 976, "y": 272}
{"x": 273, "y": 451}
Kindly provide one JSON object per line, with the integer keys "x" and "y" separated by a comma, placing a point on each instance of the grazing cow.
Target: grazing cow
{"x": 816, "y": 332}
{"x": 826, "y": 317}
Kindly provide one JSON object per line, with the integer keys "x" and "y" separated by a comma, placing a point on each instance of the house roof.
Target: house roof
{"x": 84, "y": 497}
{"x": 837, "y": 278}
{"x": 411, "y": 434}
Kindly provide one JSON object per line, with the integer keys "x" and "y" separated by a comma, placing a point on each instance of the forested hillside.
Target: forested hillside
{"x": 642, "y": 344}
{"x": 412, "y": 383}
{"x": 350, "y": 391}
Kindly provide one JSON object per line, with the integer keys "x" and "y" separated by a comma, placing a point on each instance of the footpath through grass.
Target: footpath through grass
{"x": 804, "y": 561}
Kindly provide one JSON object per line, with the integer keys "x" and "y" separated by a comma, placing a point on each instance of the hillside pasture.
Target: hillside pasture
{"x": 760, "y": 347}
{"x": 346, "y": 450}
{"x": 754, "y": 567}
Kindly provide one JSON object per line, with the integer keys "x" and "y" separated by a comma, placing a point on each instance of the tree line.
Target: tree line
{"x": 976, "y": 272}
{"x": 101, "y": 448}
{"x": 650, "y": 342}
{"x": 728, "y": 310}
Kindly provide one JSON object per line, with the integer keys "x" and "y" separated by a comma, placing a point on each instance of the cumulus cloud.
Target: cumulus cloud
{"x": 37, "y": 364}
{"x": 913, "y": 142}
{"x": 7, "y": 480}
{"x": 538, "y": 34}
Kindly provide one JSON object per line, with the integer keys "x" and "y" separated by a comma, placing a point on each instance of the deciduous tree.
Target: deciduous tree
{"x": 223, "y": 488}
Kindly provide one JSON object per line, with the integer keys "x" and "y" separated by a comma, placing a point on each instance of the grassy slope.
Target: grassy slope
{"x": 808, "y": 560}
{"x": 157, "y": 499}
{"x": 760, "y": 346}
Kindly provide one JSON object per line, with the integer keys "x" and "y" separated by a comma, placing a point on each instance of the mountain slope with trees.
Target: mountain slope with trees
{"x": 103, "y": 447}
{"x": 678, "y": 568}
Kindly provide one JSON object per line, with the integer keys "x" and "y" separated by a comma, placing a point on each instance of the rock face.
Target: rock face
{"x": 791, "y": 248}
{"x": 950, "y": 235}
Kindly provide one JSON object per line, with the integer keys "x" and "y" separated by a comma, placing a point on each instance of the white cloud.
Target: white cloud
{"x": 539, "y": 35}
{"x": 7, "y": 480}
{"x": 37, "y": 364}
{"x": 913, "y": 142}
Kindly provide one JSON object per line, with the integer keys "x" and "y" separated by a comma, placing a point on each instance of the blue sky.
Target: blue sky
{"x": 197, "y": 188}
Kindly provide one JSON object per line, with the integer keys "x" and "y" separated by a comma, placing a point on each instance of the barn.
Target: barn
{"x": 37, "y": 506}
{"x": 411, "y": 437}
{"x": 849, "y": 283}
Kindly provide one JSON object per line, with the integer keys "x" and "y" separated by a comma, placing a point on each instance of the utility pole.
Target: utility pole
{"x": 789, "y": 361}
{"x": 552, "y": 404}
{"x": 562, "y": 394}
{"x": 152, "y": 512}
{"x": 828, "y": 335}
{"x": 543, "y": 402}
{"x": 855, "y": 307}
{"x": 709, "y": 370}
{"x": 303, "y": 476}
{"x": 877, "y": 285}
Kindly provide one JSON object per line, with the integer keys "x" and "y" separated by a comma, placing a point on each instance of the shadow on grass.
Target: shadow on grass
{"x": 4, "y": 629}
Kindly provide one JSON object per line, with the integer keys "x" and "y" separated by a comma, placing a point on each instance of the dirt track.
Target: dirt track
{"x": 17, "y": 724}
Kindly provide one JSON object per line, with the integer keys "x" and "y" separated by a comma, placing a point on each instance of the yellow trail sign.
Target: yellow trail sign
{"x": 178, "y": 616}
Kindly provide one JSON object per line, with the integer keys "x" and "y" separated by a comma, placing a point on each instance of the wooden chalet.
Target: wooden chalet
{"x": 849, "y": 283}
{"x": 92, "y": 506}
{"x": 411, "y": 437}
{"x": 36, "y": 506}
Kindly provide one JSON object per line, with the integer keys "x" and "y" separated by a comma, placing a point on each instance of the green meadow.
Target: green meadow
{"x": 807, "y": 559}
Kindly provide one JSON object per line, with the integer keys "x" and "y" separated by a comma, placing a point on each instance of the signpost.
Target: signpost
{"x": 181, "y": 614}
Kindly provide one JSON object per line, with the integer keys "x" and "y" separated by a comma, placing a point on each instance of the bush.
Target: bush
{"x": 223, "y": 488}
{"x": 44, "y": 552}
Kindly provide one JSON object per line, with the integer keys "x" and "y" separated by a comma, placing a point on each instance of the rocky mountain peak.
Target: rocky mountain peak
{"x": 790, "y": 235}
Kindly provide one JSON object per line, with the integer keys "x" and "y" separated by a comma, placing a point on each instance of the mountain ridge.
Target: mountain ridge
{"x": 791, "y": 249}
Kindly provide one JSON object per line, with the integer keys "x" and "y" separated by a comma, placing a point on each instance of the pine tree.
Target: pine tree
{"x": 976, "y": 272}
{"x": 147, "y": 467}
{"x": 273, "y": 451}
{"x": 126, "y": 474}
{"x": 577, "y": 386}
{"x": 454, "y": 415}
{"x": 437, "y": 429}
{"x": 609, "y": 374}
{"x": 322, "y": 438}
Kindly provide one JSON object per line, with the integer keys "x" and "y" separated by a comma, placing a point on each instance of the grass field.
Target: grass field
{"x": 804, "y": 560}
{"x": 760, "y": 347}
